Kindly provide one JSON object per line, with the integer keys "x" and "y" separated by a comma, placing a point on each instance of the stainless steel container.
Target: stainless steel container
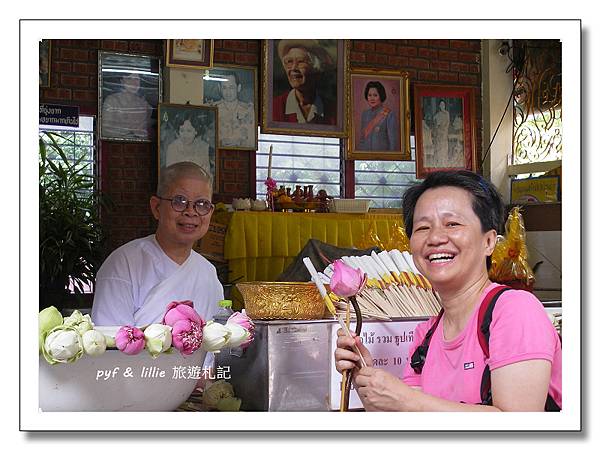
{"x": 287, "y": 367}
{"x": 290, "y": 364}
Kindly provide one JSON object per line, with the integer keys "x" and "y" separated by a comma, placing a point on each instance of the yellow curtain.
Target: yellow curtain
{"x": 260, "y": 245}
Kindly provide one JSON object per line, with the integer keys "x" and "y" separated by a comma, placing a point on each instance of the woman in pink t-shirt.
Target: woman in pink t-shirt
{"x": 453, "y": 220}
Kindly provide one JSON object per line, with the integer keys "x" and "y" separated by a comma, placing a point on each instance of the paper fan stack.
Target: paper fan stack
{"x": 395, "y": 287}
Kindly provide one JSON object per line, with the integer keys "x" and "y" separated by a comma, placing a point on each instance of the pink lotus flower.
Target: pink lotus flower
{"x": 270, "y": 183}
{"x": 242, "y": 320}
{"x": 187, "y": 326}
{"x": 184, "y": 310}
{"x": 346, "y": 281}
{"x": 187, "y": 335}
{"x": 130, "y": 340}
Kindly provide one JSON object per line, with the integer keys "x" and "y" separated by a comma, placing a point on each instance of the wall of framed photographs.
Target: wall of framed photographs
{"x": 129, "y": 169}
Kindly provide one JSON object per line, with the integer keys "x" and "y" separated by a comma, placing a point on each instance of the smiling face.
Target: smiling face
{"x": 447, "y": 243}
{"x": 298, "y": 68}
{"x": 181, "y": 229}
{"x": 373, "y": 98}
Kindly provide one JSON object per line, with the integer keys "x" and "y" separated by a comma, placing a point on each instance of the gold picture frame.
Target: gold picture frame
{"x": 190, "y": 53}
{"x": 378, "y": 115}
{"x": 326, "y": 114}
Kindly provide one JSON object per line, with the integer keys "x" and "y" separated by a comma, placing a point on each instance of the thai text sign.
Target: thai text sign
{"x": 61, "y": 115}
{"x": 388, "y": 343}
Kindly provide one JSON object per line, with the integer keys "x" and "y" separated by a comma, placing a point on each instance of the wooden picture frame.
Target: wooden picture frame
{"x": 378, "y": 115}
{"x": 190, "y": 53}
{"x": 445, "y": 128}
{"x": 319, "y": 64}
{"x": 45, "y": 61}
{"x": 129, "y": 91}
{"x": 233, "y": 90}
{"x": 188, "y": 133}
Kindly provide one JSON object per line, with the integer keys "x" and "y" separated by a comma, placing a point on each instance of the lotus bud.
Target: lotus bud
{"x": 218, "y": 390}
{"x": 345, "y": 280}
{"x": 48, "y": 318}
{"x": 229, "y": 404}
{"x": 187, "y": 336}
{"x": 177, "y": 311}
{"x": 158, "y": 338}
{"x": 242, "y": 320}
{"x": 130, "y": 340}
{"x": 62, "y": 345}
{"x": 79, "y": 321}
{"x": 110, "y": 341}
{"x": 94, "y": 342}
{"x": 239, "y": 335}
{"x": 215, "y": 337}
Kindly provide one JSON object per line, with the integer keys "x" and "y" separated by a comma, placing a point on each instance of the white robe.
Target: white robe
{"x": 138, "y": 280}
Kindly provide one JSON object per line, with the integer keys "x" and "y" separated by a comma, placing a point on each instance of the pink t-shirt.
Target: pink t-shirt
{"x": 520, "y": 331}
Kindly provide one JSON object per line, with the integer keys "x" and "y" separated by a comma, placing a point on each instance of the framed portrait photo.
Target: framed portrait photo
{"x": 304, "y": 85}
{"x": 445, "y": 128}
{"x": 45, "y": 62}
{"x": 190, "y": 53}
{"x": 188, "y": 133}
{"x": 233, "y": 91}
{"x": 378, "y": 115}
{"x": 129, "y": 90}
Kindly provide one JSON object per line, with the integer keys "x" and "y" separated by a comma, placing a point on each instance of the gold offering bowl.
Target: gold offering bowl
{"x": 266, "y": 300}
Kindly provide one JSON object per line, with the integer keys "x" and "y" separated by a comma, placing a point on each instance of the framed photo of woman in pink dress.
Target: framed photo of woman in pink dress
{"x": 379, "y": 116}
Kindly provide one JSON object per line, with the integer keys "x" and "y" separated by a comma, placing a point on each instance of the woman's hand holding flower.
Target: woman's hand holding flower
{"x": 381, "y": 391}
{"x": 345, "y": 358}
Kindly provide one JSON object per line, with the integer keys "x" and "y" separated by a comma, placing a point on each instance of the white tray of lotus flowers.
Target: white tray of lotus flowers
{"x": 115, "y": 381}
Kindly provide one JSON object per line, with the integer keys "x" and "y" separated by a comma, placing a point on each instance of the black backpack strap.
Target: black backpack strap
{"x": 484, "y": 321}
{"x": 417, "y": 360}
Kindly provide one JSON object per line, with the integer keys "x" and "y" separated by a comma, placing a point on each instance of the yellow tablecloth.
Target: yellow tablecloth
{"x": 260, "y": 245}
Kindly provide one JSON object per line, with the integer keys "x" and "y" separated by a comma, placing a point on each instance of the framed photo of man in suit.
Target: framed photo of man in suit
{"x": 233, "y": 91}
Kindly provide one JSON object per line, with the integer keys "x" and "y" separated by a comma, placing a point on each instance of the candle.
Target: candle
{"x": 270, "y": 159}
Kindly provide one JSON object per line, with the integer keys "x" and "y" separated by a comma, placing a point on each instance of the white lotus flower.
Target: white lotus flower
{"x": 216, "y": 336}
{"x": 158, "y": 338}
{"x": 94, "y": 342}
{"x": 79, "y": 321}
{"x": 62, "y": 345}
{"x": 239, "y": 335}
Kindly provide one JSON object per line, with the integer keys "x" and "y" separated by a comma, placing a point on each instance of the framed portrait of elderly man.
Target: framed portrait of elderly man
{"x": 378, "y": 116}
{"x": 233, "y": 91}
{"x": 129, "y": 90}
{"x": 190, "y": 53}
{"x": 304, "y": 87}
{"x": 445, "y": 128}
{"x": 188, "y": 133}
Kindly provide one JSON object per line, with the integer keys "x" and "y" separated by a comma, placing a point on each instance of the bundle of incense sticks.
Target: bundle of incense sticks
{"x": 395, "y": 287}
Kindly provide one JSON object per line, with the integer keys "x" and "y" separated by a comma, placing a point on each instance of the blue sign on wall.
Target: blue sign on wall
{"x": 61, "y": 115}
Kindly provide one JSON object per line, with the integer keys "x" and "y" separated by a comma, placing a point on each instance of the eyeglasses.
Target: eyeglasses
{"x": 179, "y": 203}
